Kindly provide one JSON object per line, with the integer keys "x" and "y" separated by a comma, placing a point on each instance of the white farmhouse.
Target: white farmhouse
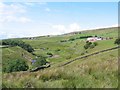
{"x": 93, "y": 39}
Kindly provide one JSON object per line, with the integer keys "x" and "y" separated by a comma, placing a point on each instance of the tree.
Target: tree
{"x": 50, "y": 54}
{"x": 15, "y": 65}
{"x": 95, "y": 35}
{"x": 20, "y": 43}
{"x": 39, "y": 61}
{"x": 117, "y": 41}
{"x": 84, "y": 37}
{"x": 92, "y": 46}
{"x": 71, "y": 39}
{"x": 87, "y": 45}
{"x": 95, "y": 43}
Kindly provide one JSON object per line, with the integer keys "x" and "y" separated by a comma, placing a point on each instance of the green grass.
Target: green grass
{"x": 70, "y": 49}
{"x": 98, "y": 71}
{"x": 13, "y": 53}
{"x": 95, "y": 71}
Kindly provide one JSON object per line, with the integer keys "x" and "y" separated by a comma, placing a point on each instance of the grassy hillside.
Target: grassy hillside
{"x": 95, "y": 71}
{"x": 70, "y": 49}
{"x": 13, "y": 53}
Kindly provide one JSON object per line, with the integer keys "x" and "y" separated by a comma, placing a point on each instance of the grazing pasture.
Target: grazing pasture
{"x": 97, "y": 71}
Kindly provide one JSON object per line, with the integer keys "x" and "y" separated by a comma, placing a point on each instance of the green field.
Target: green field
{"x": 98, "y": 71}
{"x": 13, "y": 53}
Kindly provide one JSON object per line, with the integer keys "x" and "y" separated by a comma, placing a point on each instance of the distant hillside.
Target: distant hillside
{"x": 63, "y": 47}
{"x": 102, "y": 30}
{"x": 93, "y": 31}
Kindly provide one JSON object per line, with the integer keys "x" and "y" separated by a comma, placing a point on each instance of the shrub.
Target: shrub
{"x": 86, "y": 46}
{"x": 89, "y": 43}
{"x": 117, "y": 41}
{"x": 39, "y": 61}
{"x": 15, "y": 65}
{"x": 71, "y": 39}
{"x": 63, "y": 41}
{"x": 84, "y": 37}
{"x": 48, "y": 53}
{"x": 92, "y": 46}
{"x": 95, "y": 43}
{"x": 95, "y": 35}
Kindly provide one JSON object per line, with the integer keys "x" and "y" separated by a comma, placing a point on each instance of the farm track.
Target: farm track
{"x": 95, "y": 53}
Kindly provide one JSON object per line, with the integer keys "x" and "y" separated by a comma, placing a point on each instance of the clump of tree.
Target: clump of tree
{"x": 117, "y": 41}
{"x": 19, "y": 43}
{"x": 84, "y": 37}
{"x": 90, "y": 45}
{"x": 87, "y": 45}
{"x": 39, "y": 61}
{"x": 15, "y": 65}
{"x": 63, "y": 40}
{"x": 71, "y": 39}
